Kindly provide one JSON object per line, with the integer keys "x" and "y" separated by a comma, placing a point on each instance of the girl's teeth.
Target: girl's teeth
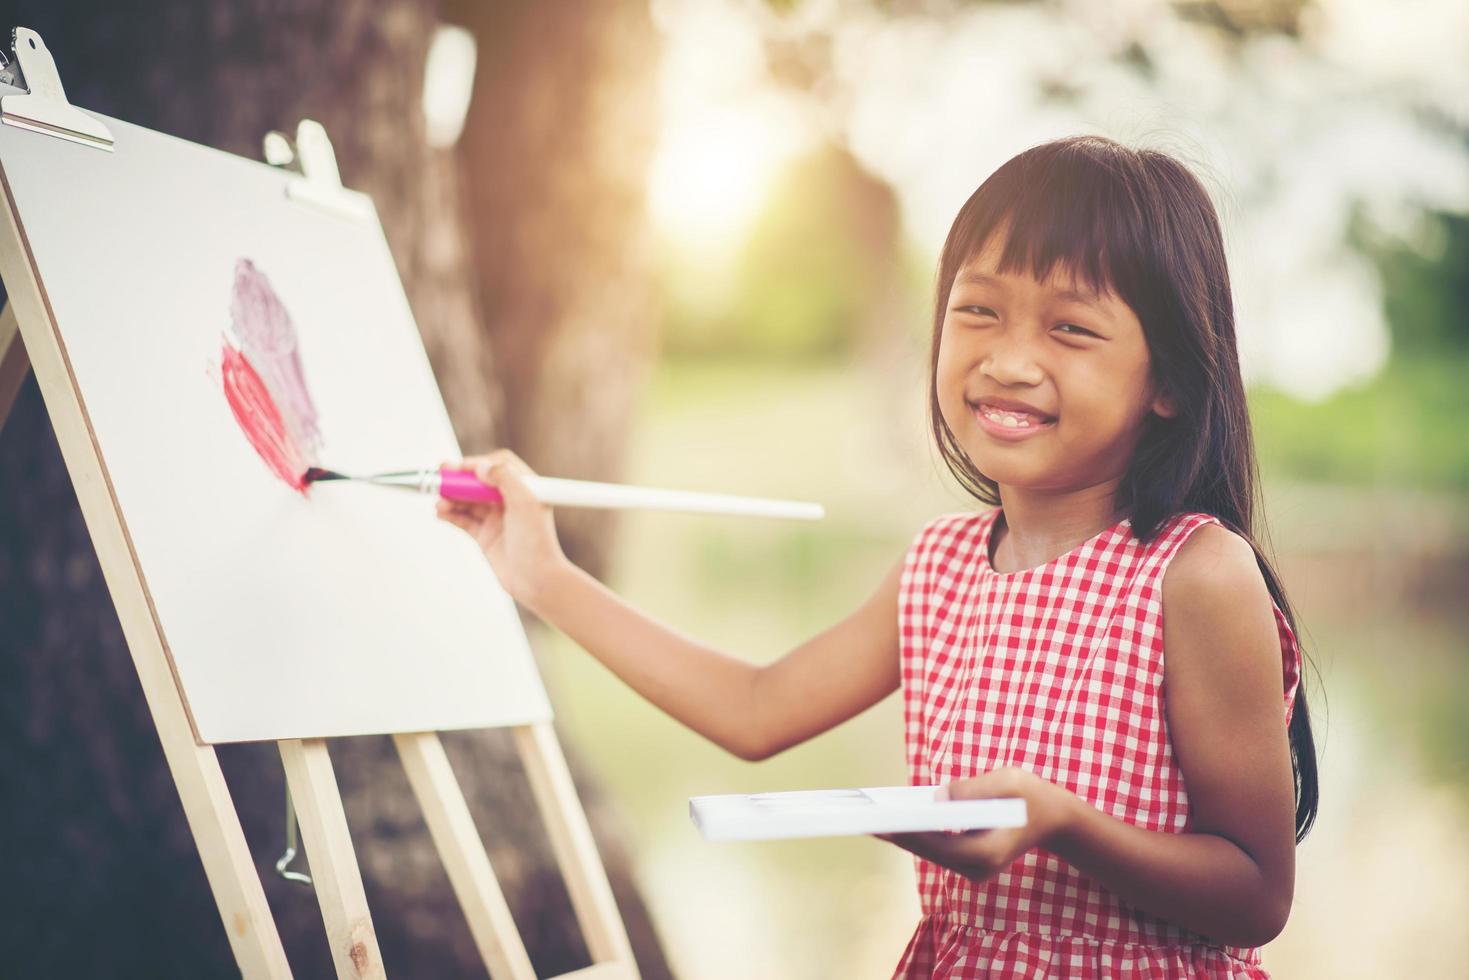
{"x": 1010, "y": 420}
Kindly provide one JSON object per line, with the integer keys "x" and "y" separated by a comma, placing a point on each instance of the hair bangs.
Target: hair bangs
{"x": 1057, "y": 213}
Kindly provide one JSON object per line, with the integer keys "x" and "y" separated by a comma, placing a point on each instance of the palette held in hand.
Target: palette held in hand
{"x": 261, "y": 373}
{"x": 842, "y": 812}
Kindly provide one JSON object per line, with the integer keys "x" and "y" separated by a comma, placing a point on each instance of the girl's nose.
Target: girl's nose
{"x": 1011, "y": 361}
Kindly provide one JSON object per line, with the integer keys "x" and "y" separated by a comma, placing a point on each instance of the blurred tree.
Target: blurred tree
{"x": 101, "y": 871}
{"x": 555, "y": 156}
{"x": 1427, "y": 288}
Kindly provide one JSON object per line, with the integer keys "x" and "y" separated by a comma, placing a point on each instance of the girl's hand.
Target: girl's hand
{"x": 518, "y": 536}
{"x": 981, "y": 854}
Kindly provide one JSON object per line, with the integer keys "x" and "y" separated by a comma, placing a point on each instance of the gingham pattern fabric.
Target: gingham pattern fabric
{"x": 1056, "y": 669}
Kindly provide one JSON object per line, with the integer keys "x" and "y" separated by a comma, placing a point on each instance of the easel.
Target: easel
{"x": 29, "y": 340}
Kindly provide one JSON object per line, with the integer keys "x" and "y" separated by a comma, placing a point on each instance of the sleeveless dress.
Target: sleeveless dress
{"x": 1056, "y": 669}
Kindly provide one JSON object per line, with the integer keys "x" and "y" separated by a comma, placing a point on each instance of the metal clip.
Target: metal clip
{"x": 44, "y": 109}
{"x": 282, "y": 867}
{"x": 10, "y": 72}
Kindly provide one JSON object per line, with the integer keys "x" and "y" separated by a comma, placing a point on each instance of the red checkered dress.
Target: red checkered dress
{"x": 1056, "y": 669}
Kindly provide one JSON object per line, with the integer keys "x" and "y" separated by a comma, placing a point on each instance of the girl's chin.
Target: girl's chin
{"x": 1021, "y": 463}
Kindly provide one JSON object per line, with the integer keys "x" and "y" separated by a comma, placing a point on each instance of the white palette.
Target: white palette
{"x": 840, "y": 812}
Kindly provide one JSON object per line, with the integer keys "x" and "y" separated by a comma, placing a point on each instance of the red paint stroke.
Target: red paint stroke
{"x": 260, "y": 370}
{"x": 259, "y": 419}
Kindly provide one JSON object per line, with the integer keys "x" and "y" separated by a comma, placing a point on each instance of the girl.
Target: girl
{"x": 1085, "y": 379}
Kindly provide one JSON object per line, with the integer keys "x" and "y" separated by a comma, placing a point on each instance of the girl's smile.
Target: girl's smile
{"x": 1007, "y": 425}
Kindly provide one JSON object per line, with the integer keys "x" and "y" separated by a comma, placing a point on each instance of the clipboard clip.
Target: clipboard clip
{"x": 316, "y": 182}
{"x": 44, "y": 109}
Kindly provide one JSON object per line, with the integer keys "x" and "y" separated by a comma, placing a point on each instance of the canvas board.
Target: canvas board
{"x": 841, "y": 812}
{"x": 350, "y": 610}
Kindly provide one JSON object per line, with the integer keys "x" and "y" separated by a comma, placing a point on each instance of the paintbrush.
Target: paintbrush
{"x": 455, "y": 484}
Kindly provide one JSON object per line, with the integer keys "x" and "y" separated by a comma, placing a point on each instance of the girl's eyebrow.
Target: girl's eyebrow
{"x": 1072, "y": 295}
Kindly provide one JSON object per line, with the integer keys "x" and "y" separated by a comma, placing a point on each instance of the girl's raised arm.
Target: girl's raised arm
{"x": 750, "y": 710}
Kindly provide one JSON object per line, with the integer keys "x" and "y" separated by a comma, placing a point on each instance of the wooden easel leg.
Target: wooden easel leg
{"x": 334, "y": 871}
{"x": 14, "y": 364}
{"x": 576, "y": 851}
{"x": 195, "y": 768}
{"x": 463, "y": 853}
{"x": 221, "y": 842}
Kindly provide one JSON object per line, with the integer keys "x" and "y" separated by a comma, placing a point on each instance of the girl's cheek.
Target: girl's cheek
{"x": 951, "y": 371}
{"x": 950, "y": 385}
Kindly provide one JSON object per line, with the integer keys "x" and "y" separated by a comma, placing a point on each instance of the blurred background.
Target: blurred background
{"x": 692, "y": 244}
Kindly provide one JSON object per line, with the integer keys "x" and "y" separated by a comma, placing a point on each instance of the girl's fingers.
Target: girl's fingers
{"x": 474, "y": 509}
{"x": 456, "y": 513}
{"x": 458, "y": 520}
{"x": 906, "y": 841}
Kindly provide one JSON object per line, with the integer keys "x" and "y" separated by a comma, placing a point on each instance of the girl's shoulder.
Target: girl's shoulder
{"x": 936, "y": 559}
{"x": 944, "y": 546}
{"x": 1214, "y": 587}
{"x": 1193, "y": 544}
{"x": 1193, "y": 532}
{"x": 1202, "y": 549}
{"x": 958, "y": 530}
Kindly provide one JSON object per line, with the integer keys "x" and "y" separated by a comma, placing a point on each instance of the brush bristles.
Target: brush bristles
{"x": 315, "y": 474}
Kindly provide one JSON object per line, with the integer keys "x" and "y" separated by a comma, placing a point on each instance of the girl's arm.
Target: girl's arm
{"x": 1231, "y": 877}
{"x": 750, "y": 710}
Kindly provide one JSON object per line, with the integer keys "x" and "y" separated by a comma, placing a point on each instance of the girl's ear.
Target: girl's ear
{"x": 1163, "y": 405}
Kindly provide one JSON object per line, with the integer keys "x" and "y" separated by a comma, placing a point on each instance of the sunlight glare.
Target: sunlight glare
{"x": 712, "y": 170}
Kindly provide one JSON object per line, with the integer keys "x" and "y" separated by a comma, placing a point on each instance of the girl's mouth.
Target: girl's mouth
{"x": 1010, "y": 426}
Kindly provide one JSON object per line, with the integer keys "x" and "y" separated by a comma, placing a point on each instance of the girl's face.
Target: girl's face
{"x": 1076, "y": 363}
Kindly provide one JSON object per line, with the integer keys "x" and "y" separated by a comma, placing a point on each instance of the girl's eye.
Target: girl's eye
{"x": 986, "y": 311}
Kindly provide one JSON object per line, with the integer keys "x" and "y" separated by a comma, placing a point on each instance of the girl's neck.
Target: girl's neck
{"x": 1038, "y": 527}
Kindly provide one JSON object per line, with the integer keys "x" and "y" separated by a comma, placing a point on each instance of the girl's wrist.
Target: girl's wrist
{"x": 1062, "y": 817}
{"x": 542, "y": 590}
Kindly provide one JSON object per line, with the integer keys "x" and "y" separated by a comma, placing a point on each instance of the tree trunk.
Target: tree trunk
{"x": 101, "y": 874}
{"x": 555, "y": 153}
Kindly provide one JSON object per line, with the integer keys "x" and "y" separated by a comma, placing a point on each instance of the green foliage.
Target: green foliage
{"x": 1427, "y": 295}
{"x": 1406, "y": 425}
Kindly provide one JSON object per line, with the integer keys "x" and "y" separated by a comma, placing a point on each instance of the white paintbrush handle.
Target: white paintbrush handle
{"x": 583, "y": 493}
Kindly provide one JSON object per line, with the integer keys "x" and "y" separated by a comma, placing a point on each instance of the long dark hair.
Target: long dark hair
{"x": 1139, "y": 222}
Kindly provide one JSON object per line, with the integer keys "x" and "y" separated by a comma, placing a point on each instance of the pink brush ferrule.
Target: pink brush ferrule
{"x": 464, "y": 485}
